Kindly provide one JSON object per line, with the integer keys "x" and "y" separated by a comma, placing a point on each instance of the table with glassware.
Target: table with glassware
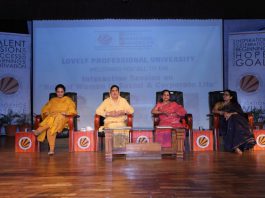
{"x": 147, "y": 140}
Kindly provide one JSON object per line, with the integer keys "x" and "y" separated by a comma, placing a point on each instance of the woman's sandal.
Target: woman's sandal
{"x": 36, "y": 133}
{"x": 51, "y": 153}
{"x": 238, "y": 151}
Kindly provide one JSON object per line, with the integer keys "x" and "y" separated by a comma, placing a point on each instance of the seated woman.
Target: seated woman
{"x": 169, "y": 112}
{"x": 237, "y": 135}
{"x": 114, "y": 109}
{"x": 54, "y": 115}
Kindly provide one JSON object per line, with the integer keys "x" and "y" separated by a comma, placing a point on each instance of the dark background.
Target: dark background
{"x": 14, "y": 14}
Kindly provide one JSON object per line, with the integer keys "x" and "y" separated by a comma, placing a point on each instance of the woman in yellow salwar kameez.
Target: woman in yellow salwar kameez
{"x": 115, "y": 110}
{"x": 54, "y": 114}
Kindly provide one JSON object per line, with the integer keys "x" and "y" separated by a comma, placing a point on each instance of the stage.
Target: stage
{"x": 87, "y": 174}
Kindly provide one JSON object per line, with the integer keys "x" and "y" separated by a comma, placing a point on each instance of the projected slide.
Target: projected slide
{"x": 141, "y": 56}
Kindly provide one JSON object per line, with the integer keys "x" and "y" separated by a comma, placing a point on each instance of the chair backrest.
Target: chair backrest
{"x": 73, "y": 96}
{"x": 125, "y": 95}
{"x": 214, "y": 97}
{"x": 176, "y": 96}
{"x": 217, "y": 96}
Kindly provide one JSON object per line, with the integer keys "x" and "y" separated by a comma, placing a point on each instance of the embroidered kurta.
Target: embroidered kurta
{"x": 109, "y": 105}
{"x": 55, "y": 120}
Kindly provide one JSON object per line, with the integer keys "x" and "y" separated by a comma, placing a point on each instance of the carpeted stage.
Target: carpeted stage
{"x": 87, "y": 174}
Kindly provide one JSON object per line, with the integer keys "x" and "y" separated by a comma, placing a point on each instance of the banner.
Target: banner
{"x": 15, "y": 64}
{"x": 246, "y": 67}
{"x": 140, "y": 56}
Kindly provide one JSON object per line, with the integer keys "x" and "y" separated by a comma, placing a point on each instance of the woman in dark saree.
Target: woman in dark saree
{"x": 237, "y": 135}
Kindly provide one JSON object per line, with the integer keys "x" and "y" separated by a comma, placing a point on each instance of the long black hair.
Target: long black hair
{"x": 165, "y": 90}
{"x": 233, "y": 94}
{"x": 115, "y": 86}
{"x": 60, "y": 86}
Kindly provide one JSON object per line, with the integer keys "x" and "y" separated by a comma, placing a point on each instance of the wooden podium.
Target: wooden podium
{"x": 84, "y": 141}
{"x": 26, "y": 142}
{"x": 202, "y": 140}
{"x": 260, "y": 139}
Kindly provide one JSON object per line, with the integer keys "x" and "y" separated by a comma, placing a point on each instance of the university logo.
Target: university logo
{"x": 83, "y": 142}
{"x": 249, "y": 83}
{"x": 203, "y": 141}
{"x": 24, "y": 143}
{"x": 142, "y": 139}
{"x": 261, "y": 140}
{"x": 104, "y": 39}
{"x": 8, "y": 85}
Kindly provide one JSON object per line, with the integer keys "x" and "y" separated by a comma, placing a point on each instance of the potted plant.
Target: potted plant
{"x": 23, "y": 122}
{"x": 9, "y": 122}
{"x": 259, "y": 117}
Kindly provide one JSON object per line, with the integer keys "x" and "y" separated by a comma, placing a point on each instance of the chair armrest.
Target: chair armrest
{"x": 185, "y": 120}
{"x": 130, "y": 120}
{"x": 37, "y": 121}
{"x": 96, "y": 128}
{"x": 71, "y": 131}
{"x": 74, "y": 116}
{"x": 250, "y": 117}
{"x": 96, "y": 122}
{"x": 156, "y": 119}
{"x": 216, "y": 121}
{"x": 189, "y": 120}
{"x": 71, "y": 121}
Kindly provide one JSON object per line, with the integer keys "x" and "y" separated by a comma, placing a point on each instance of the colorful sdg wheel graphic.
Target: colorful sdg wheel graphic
{"x": 249, "y": 83}
{"x": 83, "y": 142}
{"x": 203, "y": 141}
{"x": 142, "y": 139}
{"x": 25, "y": 143}
{"x": 261, "y": 140}
{"x": 8, "y": 85}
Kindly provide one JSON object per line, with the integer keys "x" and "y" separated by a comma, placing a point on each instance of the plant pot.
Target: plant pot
{"x": 24, "y": 127}
{"x": 258, "y": 125}
{"x": 11, "y": 130}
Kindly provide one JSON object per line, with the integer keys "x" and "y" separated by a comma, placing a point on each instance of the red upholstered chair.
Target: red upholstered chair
{"x": 99, "y": 121}
{"x": 177, "y": 96}
{"x": 215, "y": 120}
{"x": 72, "y": 122}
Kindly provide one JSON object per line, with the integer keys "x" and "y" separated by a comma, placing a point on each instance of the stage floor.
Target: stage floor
{"x": 87, "y": 174}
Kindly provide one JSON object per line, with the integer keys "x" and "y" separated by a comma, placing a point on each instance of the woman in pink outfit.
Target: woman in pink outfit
{"x": 169, "y": 112}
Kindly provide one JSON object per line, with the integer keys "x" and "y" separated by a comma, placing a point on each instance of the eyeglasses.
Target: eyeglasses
{"x": 226, "y": 94}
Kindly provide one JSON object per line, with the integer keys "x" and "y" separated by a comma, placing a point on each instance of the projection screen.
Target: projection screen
{"x": 141, "y": 56}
